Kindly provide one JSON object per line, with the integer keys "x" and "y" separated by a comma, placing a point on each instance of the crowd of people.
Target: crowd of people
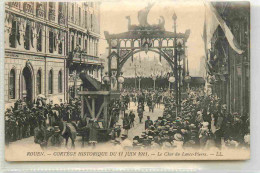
{"x": 22, "y": 120}
{"x": 203, "y": 122}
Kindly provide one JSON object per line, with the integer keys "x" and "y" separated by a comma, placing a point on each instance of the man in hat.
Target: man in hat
{"x": 132, "y": 118}
{"x": 126, "y": 124}
{"x": 204, "y": 134}
{"x": 140, "y": 111}
{"x": 56, "y": 140}
{"x": 93, "y": 132}
{"x": 199, "y": 118}
{"x": 148, "y": 123}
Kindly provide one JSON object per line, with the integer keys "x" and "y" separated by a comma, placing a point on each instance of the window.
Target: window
{"x": 60, "y": 48}
{"x": 51, "y": 82}
{"x": 79, "y": 16}
{"x": 60, "y": 43}
{"x": 39, "y": 82}
{"x": 72, "y": 43}
{"x": 52, "y": 11}
{"x": 60, "y": 82}
{"x": 61, "y": 13}
{"x": 79, "y": 42}
{"x": 27, "y": 37}
{"x": 72, "y": 13}
{"x": 39, "y": 40}
{"x": 14, "y": 34}
{"x": 86, "y": 45}
{"x": 96, "y": 49}
{"x": 86, "y": 19}
{"x": 91, "y": 22}
{"x": 40, "y": 10}
{"x": 51, "y": 41}
{"x": 12, "y": 84}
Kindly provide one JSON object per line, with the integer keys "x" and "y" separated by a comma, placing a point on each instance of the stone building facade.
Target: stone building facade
{"x": 37, "y": 46}
{"x": 231, "y": 70}
{"x": 84, "y": 34}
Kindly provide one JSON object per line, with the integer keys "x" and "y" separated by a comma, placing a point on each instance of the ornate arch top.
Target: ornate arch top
{"x": 135, "y": 35}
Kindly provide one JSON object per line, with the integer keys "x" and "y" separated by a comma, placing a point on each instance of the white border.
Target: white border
{"x": 252, "y": 166}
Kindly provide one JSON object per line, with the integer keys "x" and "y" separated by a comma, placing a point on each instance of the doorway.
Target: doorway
{"x": 27, "y": 85}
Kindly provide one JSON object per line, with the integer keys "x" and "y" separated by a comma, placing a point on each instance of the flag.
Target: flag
{"x": 216, "y": 21}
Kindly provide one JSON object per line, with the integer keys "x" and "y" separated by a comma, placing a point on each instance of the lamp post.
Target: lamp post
{"x": 179, "y": 51}
{"x": 171, "y": 80}
{"x": 120, "y": 80}
{"x": 174, "y": 17}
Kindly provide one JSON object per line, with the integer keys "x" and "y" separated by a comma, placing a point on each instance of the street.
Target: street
{"x": 139, "y": 127}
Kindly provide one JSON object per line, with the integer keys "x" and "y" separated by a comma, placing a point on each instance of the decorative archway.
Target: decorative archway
{"x": 152, "y": 38}
{"x": 165, "y": 56}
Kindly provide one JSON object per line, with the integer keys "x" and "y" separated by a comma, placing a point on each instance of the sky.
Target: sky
{"x": 190, "y": 15}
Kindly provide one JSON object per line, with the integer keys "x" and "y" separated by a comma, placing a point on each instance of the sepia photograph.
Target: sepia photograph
{"x": 127, "y": 80}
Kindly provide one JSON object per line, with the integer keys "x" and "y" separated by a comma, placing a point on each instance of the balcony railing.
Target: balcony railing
{"x": 84, "y": 58}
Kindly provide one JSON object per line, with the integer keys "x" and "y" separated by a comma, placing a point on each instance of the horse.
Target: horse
{"x": 68, "y": 131}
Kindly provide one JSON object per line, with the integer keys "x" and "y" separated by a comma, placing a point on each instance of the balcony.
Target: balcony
{"x": 84, "y": 58}
{"x": 28, "y": 7}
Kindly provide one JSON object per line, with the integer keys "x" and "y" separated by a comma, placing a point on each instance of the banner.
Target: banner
{"x": 215, "y": 20}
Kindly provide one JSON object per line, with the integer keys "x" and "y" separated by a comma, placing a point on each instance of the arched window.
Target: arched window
{"x": 60, "y": 81}
{"x": 51, "y": 82}
{"x": 12, "y": 84}
{"x": 39, "y": 82}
